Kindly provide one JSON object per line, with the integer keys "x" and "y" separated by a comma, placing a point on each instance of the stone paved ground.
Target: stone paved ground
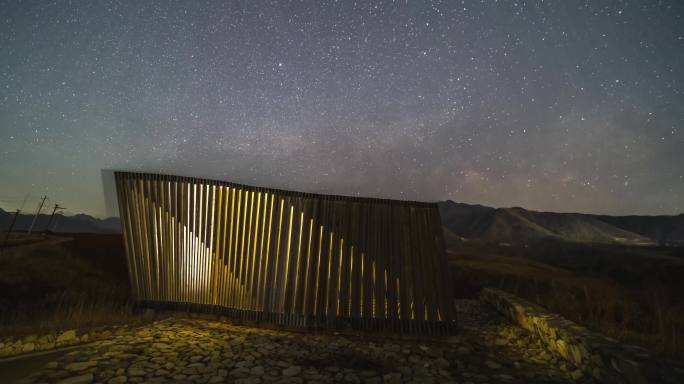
{"x": 182, "y": 350}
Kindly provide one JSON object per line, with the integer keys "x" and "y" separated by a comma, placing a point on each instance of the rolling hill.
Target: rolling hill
{"x": 522, "y": 226}
{"x": 61, "y": 223}
{"x": 515, "y": 226}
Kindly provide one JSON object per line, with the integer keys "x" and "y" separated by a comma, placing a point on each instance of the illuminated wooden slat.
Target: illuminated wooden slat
{"x": 366, "y": 286}
{"x": 328, "y": 251}
{"x": 417, "y": 302}
{"x": 344, "y": 264}
{"x": 307, "y": 294}
{"x": 235, "y": 248}
{"x": 250, "y": 288}
{"x": 206, "y": 273}
{"x": 404, "y": 255}
{"x": 211, "y": 259}
{"x": 304, "y": 249}
{"x": 297, "y": 255}
{"x": 125, "y": 215}
{"x": 260, "y": 256}
{"x": 269, "y": 254}
{"x": 247, "y": 253}
{"x": 186, "y": 243}
{"x": 428, "y": 267}
{"x": 224, "y": 236}
{"x": 446, "y": 307}
{"x": 160, "y": 211}
{"x": 217, "y": 259}
{"x": 392, "y": 265}
{"x": 287, "y": 259}
{"x": 144, "y": 239}
{"x": 355, "y": 283}
{"x": 276, "y": 271}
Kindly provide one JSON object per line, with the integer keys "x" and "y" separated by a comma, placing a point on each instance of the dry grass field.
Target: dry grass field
{"x": 633, "y": 294}
{"x": 64, "y": 283}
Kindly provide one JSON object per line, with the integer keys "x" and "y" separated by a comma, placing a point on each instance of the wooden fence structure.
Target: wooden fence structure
{"x": 286, "y": 258}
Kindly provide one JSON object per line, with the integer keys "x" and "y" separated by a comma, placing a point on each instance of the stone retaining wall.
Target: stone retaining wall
{"x": 36, "y": 343}
{"x": 601, "y": 357}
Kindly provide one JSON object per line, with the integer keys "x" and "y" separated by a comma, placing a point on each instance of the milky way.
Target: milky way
{"x": 553, "y": 105}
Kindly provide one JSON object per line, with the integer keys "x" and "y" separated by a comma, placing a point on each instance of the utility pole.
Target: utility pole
{"x": 57, "y": 207}
{"x": 40, "y": 207}
{"x": 14, "y": 220}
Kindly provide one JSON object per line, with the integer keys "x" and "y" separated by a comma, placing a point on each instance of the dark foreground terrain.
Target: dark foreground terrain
{"x": 631, "y": 293}
{"x": 634, "y": 294}
{"x": 61, "y": 282}
{"x": 194, "y": 350}
{"x": 620, "y": 275}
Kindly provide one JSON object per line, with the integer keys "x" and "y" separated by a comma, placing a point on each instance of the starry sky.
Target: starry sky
{"x": 551, "y": 105}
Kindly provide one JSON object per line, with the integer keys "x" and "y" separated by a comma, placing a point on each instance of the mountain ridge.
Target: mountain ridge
{"x": 518, "y": 225}
{"x": 461, "y": 221}
{"x": 61, "y": 223}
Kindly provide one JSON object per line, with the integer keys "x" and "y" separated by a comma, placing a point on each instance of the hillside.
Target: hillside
{"x": 465, "y": 221}
{"x": 61, "y": 223}
{"x": 521, "y": 226}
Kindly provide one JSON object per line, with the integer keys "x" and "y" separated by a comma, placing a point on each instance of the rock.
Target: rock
{"x": 291, "y": 371}
{"x": 66, "y": 336}
{"x": 243, "y": 363}
{"x": 248, "y": 380}
{"x": 257, "y": 371}
{"x": 136, "y": 371}
{"x": 392, "y": 378}
{"x": 80, "y": 366}
{"x": 576, "y": 374}
{"x": 201, "y": 351}
{"x": 28, "y": 347}
{"x": 366, "y": 373}
{"x": 441, "y": 362}
{"x": 239, "y": 372}
{"x": 82, "y": 379}
{"x": 371, "y": 380}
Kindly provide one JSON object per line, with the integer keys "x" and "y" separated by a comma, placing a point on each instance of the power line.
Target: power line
{"x": 9, "y": 231}
{"x": 55, "y": 209}
{"x": 40, "y": 207}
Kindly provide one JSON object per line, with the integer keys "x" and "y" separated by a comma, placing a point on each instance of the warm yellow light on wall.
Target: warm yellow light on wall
{"x": 285, "y": 257}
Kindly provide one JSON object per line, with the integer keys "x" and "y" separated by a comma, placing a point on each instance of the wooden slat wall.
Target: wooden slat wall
{"x": 285, "y": 258}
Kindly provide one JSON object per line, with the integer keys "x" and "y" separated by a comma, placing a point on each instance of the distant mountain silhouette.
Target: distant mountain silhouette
{"x": 515, "y": 226}
{"x": 61, "y": 223}
{"x": 522, "y": 226}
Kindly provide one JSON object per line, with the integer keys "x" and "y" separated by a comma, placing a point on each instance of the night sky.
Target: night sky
{"x": 550, "y": 105}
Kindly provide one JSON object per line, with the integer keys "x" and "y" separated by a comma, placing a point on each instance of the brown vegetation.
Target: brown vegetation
{"x": 79, "y": 283}
{"x": 631, "y": 294}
